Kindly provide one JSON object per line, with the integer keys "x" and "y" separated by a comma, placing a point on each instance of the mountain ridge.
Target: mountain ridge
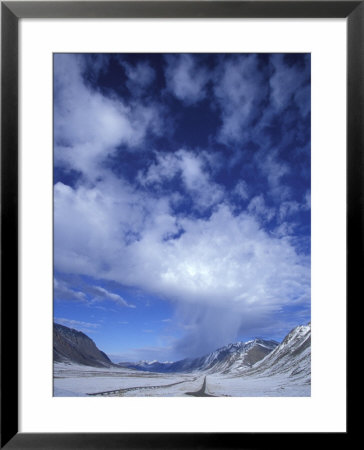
{"x": 292, "y": 357}
{"x": 228, "y": 357}
{"x": 258, "y": 357}
{"x": 70, "y": 345}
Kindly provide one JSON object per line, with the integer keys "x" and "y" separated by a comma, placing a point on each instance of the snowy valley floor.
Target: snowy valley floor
{"x": 71, "y": 380}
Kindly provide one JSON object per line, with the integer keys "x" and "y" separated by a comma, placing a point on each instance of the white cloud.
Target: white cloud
{"x": 88, "y": 125}
{"x": 223, "y": 266}
{"x": 239, "y": 90}
{"x": 105, "y": 294}
{"x": 86, "y": 327}
{"x": 287, "y": 209}
{"x": 165, "y": 168}
{"x": 258, "y": 207}
{"x": 63, "y": 292}
{"x": 307, "y": 200}
{"x": 274, "y": 171}
{"x": 287, "y": 83}
{"x": 223, "y": 272}
{"x": 284, "y": 229}
{"x": 192, "y": 169}
{"x": 139, "y": 76}
{"x": 241, "y": 189}
{"x": 185, "y": 79}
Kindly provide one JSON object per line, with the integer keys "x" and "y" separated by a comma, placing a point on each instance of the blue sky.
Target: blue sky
{"x": 181, "y": 199}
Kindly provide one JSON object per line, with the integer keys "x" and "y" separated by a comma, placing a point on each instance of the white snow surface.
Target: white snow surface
{"x": 249, "y": 386}
{"x": 73, "y": 380}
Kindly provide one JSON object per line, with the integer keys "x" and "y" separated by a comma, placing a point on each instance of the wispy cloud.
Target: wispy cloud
{"x": 63, "y": 292}
{"x": 289, "y": 82}
{"x": 104, "y": 294}
{"x": 240, "y": 91}
{"x": 185, "y": 78}
{"x": 86, "y": 327}
{"x": 140, "y": 76}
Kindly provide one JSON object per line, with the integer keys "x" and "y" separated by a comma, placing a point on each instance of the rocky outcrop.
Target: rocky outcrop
{"x": 70, "y": 345}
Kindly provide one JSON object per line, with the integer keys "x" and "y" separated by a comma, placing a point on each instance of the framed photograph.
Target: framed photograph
{"x": 181, "y": 204}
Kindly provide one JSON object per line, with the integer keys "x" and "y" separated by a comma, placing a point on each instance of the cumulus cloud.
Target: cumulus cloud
{"x": 90, "y": 126}
{"x": 193, "y": 171}
{"x": 226, "y": 270}
{"x": 196, "y": 259}
{"x": 225, "y": 262}
{"x": 267, "y": 105}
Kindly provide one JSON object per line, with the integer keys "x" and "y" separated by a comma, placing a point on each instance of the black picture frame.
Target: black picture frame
{"x": 11, "y": 12}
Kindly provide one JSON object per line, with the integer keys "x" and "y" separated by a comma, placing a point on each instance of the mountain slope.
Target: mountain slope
{"x": 229, "y": 358}
{"x": 285, "y": 372}
{"x": 291, "y": 358}
{"x": 70, "y": 345}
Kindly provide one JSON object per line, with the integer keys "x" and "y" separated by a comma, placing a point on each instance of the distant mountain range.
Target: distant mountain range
{"x": 259, "y": 357}
{"x": 228, "y": 358}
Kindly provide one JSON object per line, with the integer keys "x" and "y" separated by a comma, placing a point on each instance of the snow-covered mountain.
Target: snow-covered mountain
{"x": 230, "y": 358}
{"x": 259, "y": 358}
{"x": 291, "y": 358}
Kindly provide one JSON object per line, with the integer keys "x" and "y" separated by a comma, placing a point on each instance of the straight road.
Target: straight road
{"x": 201, "y": 392}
